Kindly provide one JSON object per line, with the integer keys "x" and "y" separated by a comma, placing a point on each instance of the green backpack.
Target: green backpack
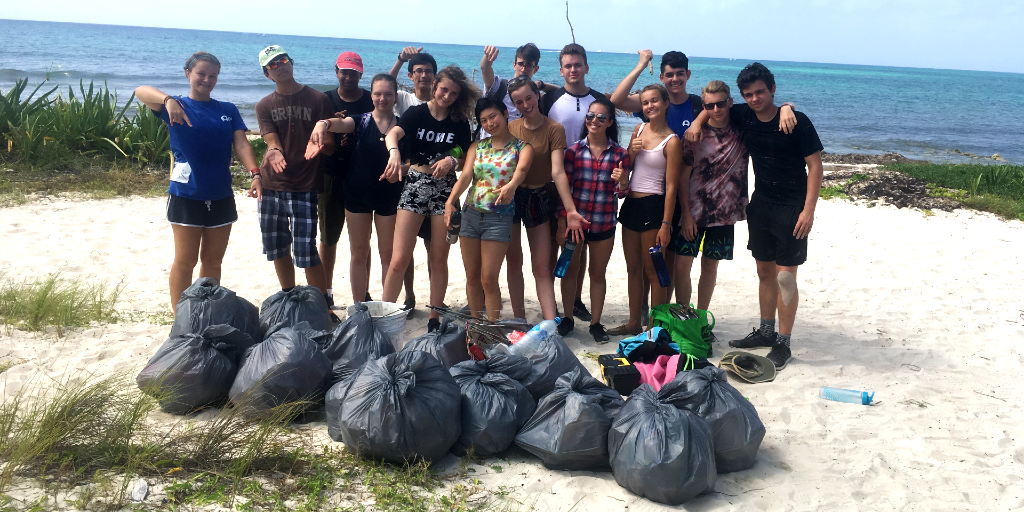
{"x": 687, "y": 326}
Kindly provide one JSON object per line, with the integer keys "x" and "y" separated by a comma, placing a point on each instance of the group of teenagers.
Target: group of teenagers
{"x": 531, "y": 155}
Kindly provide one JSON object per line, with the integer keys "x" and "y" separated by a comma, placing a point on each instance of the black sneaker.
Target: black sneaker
{"x": 754, "y": 340}
{"x": 368, "y": 298}
{"x": 433, "y": 324}
{"x": 565, "y": 327}
{"x": 579, "y": 310}
{"x": 597, "y": 331}
{"x": 780, "y": 355}
{"x": 410, "y": 306}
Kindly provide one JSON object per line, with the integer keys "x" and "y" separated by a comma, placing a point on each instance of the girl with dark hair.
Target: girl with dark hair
{"x": 594, "y": 166}
{"x": 369, "y": 201}
{"x": 646, "y": 214}
{"x": 494, "y": 168}
{"x": 200, "y": 202}
{"x": 431, "y": 132}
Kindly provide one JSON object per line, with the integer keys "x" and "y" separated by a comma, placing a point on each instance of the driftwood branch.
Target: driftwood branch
{"x": 571, "y": 32}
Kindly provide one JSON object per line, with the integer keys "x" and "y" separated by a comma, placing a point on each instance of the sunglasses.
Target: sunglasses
{"x": 720, "y": 104}
{"x": 279, "y": 62}
{"x": 520, "y": 79}
{"x": 600, "y": 117}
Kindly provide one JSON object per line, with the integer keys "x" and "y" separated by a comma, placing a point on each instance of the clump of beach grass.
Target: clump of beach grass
{"x": 88, "y": 439}
{"x": 997, "y": 189}
{"x": 56, "y": 302}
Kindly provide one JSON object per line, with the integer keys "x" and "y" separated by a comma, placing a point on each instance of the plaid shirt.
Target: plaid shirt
{"x": 593, "y": 189}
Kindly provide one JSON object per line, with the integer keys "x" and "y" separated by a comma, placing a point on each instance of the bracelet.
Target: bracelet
{"x": 275, "y": 149}
{"x": 254, "y": 171}
{"x": 392, "y": 149}
{"x": 667, "y": 223}
{"x": 257, "y": 177}
{"x": 166, "y": 97}
{"x": 327, "y": 121}
{"x": 542, "y": 84}
{"x": 400, "y": 58}
{"x": 455, "y": 161}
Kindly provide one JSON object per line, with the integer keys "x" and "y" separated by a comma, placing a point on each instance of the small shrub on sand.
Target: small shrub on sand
{"x": 56, "y": 302}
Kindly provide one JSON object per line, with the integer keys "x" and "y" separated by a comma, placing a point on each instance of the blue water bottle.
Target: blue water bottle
{"x": 846, "y": 395}
{"x": 659, "y": 265}
{"x": 565, "y": 258}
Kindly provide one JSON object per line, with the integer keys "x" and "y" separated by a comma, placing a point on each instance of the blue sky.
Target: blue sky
{"x": 978, "y": 34}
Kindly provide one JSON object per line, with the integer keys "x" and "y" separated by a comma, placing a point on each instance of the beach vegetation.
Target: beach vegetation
{"x": 834, "y": 192}
{"x": 998, "y": 189}
{"x": 56, "y": 303}
{"x": 89, "y": 438}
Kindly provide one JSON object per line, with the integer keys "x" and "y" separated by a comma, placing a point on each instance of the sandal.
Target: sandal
{"x": 624, "y": 330}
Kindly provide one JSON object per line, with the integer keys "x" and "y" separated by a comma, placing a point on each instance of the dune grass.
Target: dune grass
{"x": 56, "y": 302}
{"x": 87, "y": 440}
{"x": 998, "y": 189}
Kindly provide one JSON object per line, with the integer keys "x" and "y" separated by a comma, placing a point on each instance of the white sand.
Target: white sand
{"x": 928, "y": 311}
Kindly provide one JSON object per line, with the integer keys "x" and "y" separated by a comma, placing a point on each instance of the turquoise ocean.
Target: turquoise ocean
{"x": 922, "y": 113}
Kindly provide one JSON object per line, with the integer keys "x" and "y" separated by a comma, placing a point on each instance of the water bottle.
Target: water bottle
{"x": 534, "y": 337}
{"x": 846, "y": 395}
{"x": 453, "y": 232}
{"x": 659, "y": 266}
{"x": 565, "y": 258}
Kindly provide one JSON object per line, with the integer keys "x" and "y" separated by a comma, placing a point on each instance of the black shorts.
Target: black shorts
{"x": 331, "y": 209}
{"x": 642, "y": 213}
{"x": 598, "y": 237}
{"x": 182, "y": 211}
{"x": 356, "y": 206}
{"x": 771, "y": 238}
{"x": 717, "y": 242}
{"x": 424, "y": 232}
{"x": 534, "y": 206}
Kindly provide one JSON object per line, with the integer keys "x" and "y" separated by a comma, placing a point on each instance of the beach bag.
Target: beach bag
{"x": 736, "y": 427}
{"x": 191, "y": 371}
{"x": 351, "y": 343}
{"x": 399, "y": 408}
{"x": 288, "y": 308}
{"x": 659, "y": 449}
{"x": 647, "y": 346}
{"x": 494, "y": 405}
{"x": 447, "y": 343}
{"x": 286, "y": 367}
{"x": 207, "y": 303}
{"x": 549, "y": 360}
{"x": 570, "y": 428}
{"x": 687, "y": 326}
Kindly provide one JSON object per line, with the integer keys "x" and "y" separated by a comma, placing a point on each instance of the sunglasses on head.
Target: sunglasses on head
{"x": 277, "y": 63}
{"x": 720, "y": 104}
{"x": 519, "y": 79}
{"x": 600, "y": 117}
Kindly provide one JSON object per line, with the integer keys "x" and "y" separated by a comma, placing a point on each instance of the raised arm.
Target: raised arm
{"x": 403, "y": 57}
{"x": 814, "y": 175}
{"x": 487, "y": 66}
{"x": 621, "y": 97}
{"x": 319, "y": 137}
{"x": 694, "y": 132}
{"x": 674, "y": 156}
{"x": 158, "y": 100}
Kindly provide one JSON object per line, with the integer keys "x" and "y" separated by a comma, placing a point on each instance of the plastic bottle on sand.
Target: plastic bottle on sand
{"x": 534, "y": 337}
{"x": 846, "y": 395}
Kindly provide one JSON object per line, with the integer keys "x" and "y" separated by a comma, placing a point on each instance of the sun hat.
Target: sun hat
{"x": 270, "y": 53}
{"x": 749, "y": 367}
{"x": 349, "y": 60}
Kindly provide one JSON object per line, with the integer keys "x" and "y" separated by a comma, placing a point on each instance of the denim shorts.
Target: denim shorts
{"x": 486, "y": 225}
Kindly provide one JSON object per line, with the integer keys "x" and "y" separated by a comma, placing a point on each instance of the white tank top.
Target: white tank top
{"x": 649, "y": 168}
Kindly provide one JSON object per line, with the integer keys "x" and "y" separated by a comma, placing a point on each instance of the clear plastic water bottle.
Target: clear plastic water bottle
{"x": 659, "y": 266}
{"x": 453, "y": 232}
{"x": 846, "y": 395}
{"x": 534, "y": 337}
{"x": 565, "y": 258}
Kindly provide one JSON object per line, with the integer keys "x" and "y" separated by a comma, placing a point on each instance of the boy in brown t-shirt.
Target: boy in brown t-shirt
{"x": 288, "y": 183}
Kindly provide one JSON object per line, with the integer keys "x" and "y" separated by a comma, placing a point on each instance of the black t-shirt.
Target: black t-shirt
{"x": 426, "y": 137}
{"x": 345, "y": 144}
{"x": 780, "y": 172}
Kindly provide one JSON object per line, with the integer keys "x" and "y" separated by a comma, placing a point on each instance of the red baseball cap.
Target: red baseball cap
{"x": 349, "y": 60}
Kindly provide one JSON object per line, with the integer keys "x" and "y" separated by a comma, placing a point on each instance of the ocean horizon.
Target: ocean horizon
{"x": 932, "y": 114}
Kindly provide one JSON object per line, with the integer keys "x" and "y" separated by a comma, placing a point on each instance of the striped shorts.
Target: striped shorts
{"x": 289, "y": 219}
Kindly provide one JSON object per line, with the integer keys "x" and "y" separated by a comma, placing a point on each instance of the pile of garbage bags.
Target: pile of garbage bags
{"x": 433, "y": 398}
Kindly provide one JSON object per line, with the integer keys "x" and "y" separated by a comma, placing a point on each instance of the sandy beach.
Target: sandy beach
{"x": 927, "y": 310}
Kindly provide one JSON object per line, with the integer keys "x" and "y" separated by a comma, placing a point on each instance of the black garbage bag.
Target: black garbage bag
{"x": 190, "y": 371}
{"x": 735, "y": 425}
{"x": 494, "y": 405}
{"x": 447, "y": 343}
{"x": 549, "y": 360}
{"x": 350, "y": 344}
{"x": 288, "y": 308}
{"x": 659, "y": 449}
{"x": 207, "y": 303}
{"x": 570, "y": 428}
{"x": 287, "y": 367}
{"x": 400, "y": 408}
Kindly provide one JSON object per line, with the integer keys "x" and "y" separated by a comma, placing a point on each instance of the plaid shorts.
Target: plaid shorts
{"x": 288, "y": 216}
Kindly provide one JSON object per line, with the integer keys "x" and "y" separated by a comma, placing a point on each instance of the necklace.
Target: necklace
{"x": 386, "y": 130}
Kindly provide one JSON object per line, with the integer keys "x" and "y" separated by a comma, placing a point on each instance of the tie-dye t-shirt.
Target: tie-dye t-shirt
{"x": 718, "y": 181}
{"x": 493, "y": 169}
